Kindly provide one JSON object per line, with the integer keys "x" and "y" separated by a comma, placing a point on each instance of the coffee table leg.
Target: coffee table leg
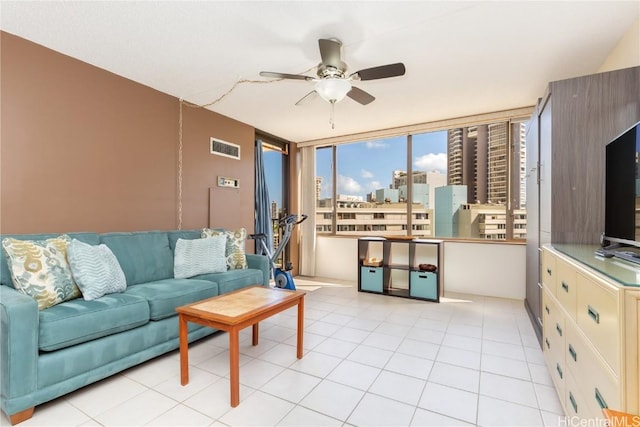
{"x": 255, "y": 334}
{"x": 300, "y": 326}
{"x": 234, "y": 361}
{"x": 184, "y": 351}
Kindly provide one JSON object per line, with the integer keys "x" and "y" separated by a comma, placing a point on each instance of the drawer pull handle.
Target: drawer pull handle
{"x": 573, "y": 353}
{"x": 600, "y": 399}
{"x": 549, "y": 271}
{"x": 546, "y": 340}
{"x": 423, "y": 276}
{"x": 559, "y": 369}
{"x": 559, "y": 329}
{"x": 593, "y": 314}
{"x": 546, "y": 307}
{"x": 573, "y": 402}
{"x": 565, "y": 287}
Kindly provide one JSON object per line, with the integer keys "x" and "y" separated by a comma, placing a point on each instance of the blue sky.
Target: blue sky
{"x": 273, "y": 173}
{"x": 366, "y": 166}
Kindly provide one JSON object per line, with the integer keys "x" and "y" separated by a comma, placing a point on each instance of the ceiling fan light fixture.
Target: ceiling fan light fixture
{"x": 333, "y": 89}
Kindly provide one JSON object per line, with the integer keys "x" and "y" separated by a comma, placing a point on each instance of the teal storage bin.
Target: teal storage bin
{"x": 371, "y": 279}
{"x": 424, "y": 285}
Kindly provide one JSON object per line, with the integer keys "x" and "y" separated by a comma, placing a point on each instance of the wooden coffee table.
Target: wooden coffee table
{"x": 232, "y": 312}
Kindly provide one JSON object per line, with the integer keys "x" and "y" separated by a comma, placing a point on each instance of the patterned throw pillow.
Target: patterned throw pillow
{"x": 39, "y": 268}
{"x": 236, "y": 258}
{"x": 95, "y": 269}
{"x": 199, "y": 256}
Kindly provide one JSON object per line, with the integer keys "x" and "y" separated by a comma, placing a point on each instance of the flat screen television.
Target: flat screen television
{"x": 622, "y": 189}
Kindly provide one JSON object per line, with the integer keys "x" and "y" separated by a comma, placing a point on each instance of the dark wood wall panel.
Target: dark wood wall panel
{"x": 588, "y": 112}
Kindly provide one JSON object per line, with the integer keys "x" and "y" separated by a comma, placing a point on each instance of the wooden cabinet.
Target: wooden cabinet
{"x": 533, "y": 294}
{"x": 397, "y": 271}
{"x": 565, "y": 285}
{"x": 591, "y": 330}
{"x": 570, "y": 127}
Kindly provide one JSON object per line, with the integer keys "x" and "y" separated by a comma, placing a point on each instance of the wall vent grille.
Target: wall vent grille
{"x": 224, "y": 148}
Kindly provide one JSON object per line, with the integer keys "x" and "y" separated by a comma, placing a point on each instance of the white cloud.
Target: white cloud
{"x": 376, "y": 144}
{"x": 325, "y": 189}
{"x": 373, "y": 186}
{"x": 348, "y": 185}
{"x": 365, "y": 173}
{"x": 432, "y": 162}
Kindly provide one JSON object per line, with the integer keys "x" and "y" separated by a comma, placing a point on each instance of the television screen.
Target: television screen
{"x": 622, "y": 188}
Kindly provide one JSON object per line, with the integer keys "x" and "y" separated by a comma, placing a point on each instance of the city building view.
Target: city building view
{"x": 467, "y": 198}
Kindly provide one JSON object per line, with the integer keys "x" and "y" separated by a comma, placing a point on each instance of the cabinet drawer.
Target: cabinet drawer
{"x": 547, "y": 275}
{"x": 574, "y": 401}
{"x": 600, "y": 388}
{"x": 555, "y": 363}
{"x": 598, "y": 317}
{"x": 423, "y": 284}
{"x": 371, "y": 279}
{"x": 566, "y": 288}
{"x": 553, "y": 326}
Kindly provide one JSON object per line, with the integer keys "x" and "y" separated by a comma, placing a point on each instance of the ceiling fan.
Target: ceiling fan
{"x": 333, "y": 82}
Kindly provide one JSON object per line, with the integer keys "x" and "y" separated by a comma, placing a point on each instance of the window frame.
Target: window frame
{"x": 510, "y": 117}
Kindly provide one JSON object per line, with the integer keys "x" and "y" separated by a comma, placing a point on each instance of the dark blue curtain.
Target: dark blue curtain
{"x": 263, "y": 204}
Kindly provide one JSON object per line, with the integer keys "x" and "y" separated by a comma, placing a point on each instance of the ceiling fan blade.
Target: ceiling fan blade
{"x": 311, "y": 95}
{"x": 284, "y": 76}
{"x": 330, "y": 52}
{"x": 381, "y": 72}
{"x": 360, "y": 96}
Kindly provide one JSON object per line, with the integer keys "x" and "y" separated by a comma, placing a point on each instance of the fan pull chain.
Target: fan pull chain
{"x": 331, "y": 116}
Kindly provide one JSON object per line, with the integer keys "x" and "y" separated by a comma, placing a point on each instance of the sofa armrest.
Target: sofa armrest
{"x": 19, "y": 330}
{"x": 260, "y": 262}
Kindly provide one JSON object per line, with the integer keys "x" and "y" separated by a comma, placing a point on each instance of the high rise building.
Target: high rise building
{"x": 318, "y": 187}
{"x": 360, "y": 218}
{"x": 497, "y": 170}
{"x": 448, "y": 201}
{"x": 518, "y": 131}
{"x": 454, "y": 156}
{"x": 467, "y": 160}
{"x": 478, "y": 157}
{"x": 489, "y": 222}
{"x": 431, "y": 179}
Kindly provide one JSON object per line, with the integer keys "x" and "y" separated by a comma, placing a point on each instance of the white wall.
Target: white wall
{"x": 626, "y": 53}
{"x": 496, "y": 270}
{"x": 490, "y": 269}
{"x": 337, "y": 258}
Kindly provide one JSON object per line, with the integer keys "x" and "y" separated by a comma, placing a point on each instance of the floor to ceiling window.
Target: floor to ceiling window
{"x": 465, "y": 182}
{"x": 324, "y": 190}
{"x": 275, "y": 169}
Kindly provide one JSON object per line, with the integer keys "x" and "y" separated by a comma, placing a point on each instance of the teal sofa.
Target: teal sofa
{"x": 46, "y": 354}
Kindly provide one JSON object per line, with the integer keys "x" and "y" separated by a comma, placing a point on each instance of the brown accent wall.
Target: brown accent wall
{"x": 83, "y": 149}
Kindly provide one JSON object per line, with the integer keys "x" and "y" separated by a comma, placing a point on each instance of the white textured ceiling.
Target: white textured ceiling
{"x": 462, "y": 58}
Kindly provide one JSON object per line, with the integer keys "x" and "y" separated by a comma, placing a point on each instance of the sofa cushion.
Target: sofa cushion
{"x": 182, "y": 234}
{"x": 78, "y": 321}
{"x": 39, "y": 268}
{"x": 164, "y": 296}
{"x": 5, "y": 273}
{"x": 231, "y": 280}
{"x": 199, "y": 256}
{"x": 144, "y": 256}
{"x": 95, "y": 269}
{"x": 235, "y": 250}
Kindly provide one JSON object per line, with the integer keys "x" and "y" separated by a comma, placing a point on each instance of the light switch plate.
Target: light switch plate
{"x": 228, "y": 182}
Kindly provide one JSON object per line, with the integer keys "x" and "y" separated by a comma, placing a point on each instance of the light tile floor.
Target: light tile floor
{"x": 370, "y": 360}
